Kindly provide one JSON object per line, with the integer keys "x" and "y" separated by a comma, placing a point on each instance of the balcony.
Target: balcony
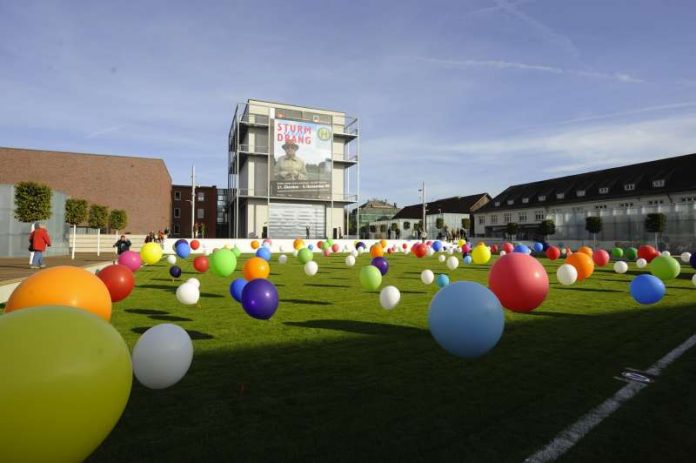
{"x": 263, "y": 193}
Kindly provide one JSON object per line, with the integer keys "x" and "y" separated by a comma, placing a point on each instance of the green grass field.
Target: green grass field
{"x": 334, "y": 377}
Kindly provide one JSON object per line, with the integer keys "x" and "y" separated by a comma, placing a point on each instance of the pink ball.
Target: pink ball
{"x": 327, "y": 253}
{"x": 508, "y": 248}
{"x": 519, "y": 281}
{"x": 600, "y": 257}
{"x": 131, "y": 260}
{"x": 335, "y": 248}
{"x": 466, "y": 248}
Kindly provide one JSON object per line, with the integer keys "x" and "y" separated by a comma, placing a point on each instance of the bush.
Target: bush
{"x": 98, "y": 216}
{"x": 118, "y": 219}
{"x": 75, "y": 211}
{"x": 439, "y": 223}
{"x": 407, "y": 225}
{"x": 32, "y": 202}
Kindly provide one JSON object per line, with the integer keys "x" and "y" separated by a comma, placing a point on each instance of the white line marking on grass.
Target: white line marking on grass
{"x": 570, "y": 436}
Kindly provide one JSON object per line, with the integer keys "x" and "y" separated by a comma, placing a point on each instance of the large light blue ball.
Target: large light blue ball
{"x": 466, "y": 319}
{"x": 264, "y": 253}
{"x": 521, "y": 248}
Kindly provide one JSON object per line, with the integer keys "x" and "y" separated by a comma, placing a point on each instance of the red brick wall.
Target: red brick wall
{"x": 140, "y": 186}
{"x": 209, "y": 205}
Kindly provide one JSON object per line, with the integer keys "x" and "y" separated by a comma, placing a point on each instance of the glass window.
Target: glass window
{"x": 200, "y": 213}
{"x": 177, "y": 212}
{"x": 522, "y": 217}
{"x": 581, "y": 193}
{"x": 560, "y": 195}
{"x": 542, "y": 198}
{"x": 507, "y": 217}
{"x": 538, "y": 215}
{"x": 604, "y": 190}
{"x": 658, "y": 183}
{"x": 177, "y": 196}
{"x": 201, "y": 196}
{"x": 494, "y": 219}
{"x": 629, "y": 186}
{"x": 511, "y": 202}
{"x": 497, "y": 203}
{"x": 177, "y": 229}
{"x": 525, "y": 200}
{"x": 482, "y": 220}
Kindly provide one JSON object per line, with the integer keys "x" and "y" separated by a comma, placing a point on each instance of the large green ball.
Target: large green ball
{"x": 370, "y": 277}
{"x": 222, "y": 262}
{"x": 665, "y": 268}
{"x": 305, "y": 255}
{"x": 631, "y": 253}
{"x": 617, "y": 253}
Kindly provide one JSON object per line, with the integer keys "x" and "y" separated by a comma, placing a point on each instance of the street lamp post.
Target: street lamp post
{"x": 424, "y": 229}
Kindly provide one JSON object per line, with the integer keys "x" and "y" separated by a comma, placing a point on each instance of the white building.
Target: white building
{"x": 292, "y": 171}
{"x": 621, "y": 196}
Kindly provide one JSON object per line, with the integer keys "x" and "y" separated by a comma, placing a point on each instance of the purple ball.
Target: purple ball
{"x": 692, "y": 261}
{"x": 381, "y": 264}
{"x": 260, "y": 299}
{"x": 175, "y": 271}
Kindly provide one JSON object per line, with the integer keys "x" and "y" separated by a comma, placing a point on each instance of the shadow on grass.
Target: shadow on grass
{"x": 352, "y": 326}
{"x": 168, "y": 288}
{"x": 595, "y": 290}
{"x": 326, "y": 285}
{"x": 147, "y": 311}
{"x": 413, "y": 292}
{"x": 306, "y": 301}
{"x": 211, "y": 295}
{"x": 171, "y": 318}
{"x": 546, "y": 313}
{"x": 195, "y": 335}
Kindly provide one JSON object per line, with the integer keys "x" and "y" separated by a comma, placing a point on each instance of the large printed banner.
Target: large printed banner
{"x": 301, "y": 165}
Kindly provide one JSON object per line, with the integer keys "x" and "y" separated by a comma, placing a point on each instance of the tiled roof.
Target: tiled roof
{"x": 455, "y": 204}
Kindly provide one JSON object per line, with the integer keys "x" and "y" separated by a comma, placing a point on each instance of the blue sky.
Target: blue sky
{"x": 469, "y": 96}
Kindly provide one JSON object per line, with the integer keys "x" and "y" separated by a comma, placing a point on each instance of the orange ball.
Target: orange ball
{"x": 254, "y": 244}
{"x": 63, "y": 286}
{"x": 376, "y": 250}
{"x": 298, "y": 244}
{"x": 582, "y": 263}
{"x": 586, "y": 250}
{"x": 256, "y": 268}
{"x": 383, "y": 243}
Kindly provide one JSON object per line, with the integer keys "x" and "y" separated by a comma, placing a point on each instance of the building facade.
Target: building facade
{"x": 292, "y": 169}
{"x": 371, "y": 211}
{"x": 621, "y": 196}
{"x": 205, "y": 210}
{"x": 140, "y": 186}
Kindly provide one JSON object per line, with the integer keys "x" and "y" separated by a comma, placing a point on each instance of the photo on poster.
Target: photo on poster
{"x": 301, "y": 166}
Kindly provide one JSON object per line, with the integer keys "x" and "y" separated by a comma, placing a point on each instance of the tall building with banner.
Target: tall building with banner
{"x": 293, "y": 170}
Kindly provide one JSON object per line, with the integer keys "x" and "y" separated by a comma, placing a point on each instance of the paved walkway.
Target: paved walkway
{"x": 13, "y": 269}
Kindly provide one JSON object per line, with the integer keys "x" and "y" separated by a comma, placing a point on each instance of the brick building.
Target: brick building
{"x": 206, "y": 211}
{"x": 140, "y": 186}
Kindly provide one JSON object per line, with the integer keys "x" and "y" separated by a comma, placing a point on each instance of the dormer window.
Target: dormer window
{"x": 497, "y": 203}
{"x": 560, "y": 195}
{"x": 525, "y": 200}
{"x": 604, "y": 190}
{"x": 658, "y": 183}
{"x": 511, "y": 202}
{"x": 580, "y": 193}
{"x": 542, "y": 198}
{"x": 629, "y": 187}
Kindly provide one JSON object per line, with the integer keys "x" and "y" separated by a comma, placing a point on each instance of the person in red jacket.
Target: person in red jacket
{"x": 39, "y": 240}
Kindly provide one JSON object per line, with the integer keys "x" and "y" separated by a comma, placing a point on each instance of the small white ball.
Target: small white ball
{"x": 350, "y": 260}
{"x": 427, "y": 276}
{"x": 620, "y": 267}
{"x": 282, "y": 259}
{"x": 311, "y": 268}
{"x": 441, "y": 258}
{"x": 188, "y": 294}
{"x": 666, "y": 253}
{"x": 389, "y": 297}
{"x": 171, "y": 259}
{"x": 566, "y": 274}
{"x": 686, "y": 257}
{"x": 641, "y": 263}
{"x": 452, "y": 262}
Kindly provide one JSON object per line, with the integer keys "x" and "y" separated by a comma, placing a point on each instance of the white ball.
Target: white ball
{"x": 350, "y": 260}
{"x": 441, "y": 258}
{"x": 693, "y": 279}
{"x": 162, "y": 356}
{"x": 282, "y": 259}
{"x": 430, "y": 252}
{"x": 641, "y": 263}
{"x": 450, "y": 251}
{"x": 281, "y": 248}
{"x": 452, "y": 262}
{"x": 427, "y": 276}
{"x": 187, "y": 294}
{"x": 294, "y": 253}
{"x": 566, "y": 274}
{"x": 171, "y": 259}
{"x": 620, "y": 267}
{"x": 311, "y": 268}
{"x": 354, "y": 253}
{"x": 502, "y": 253}
{"x": 686, "y": 257}
{"x": 666, "y": 253}
{"x": 389, "y": 297}
{"x": 194, "y": 281}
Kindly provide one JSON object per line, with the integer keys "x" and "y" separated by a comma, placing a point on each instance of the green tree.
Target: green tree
{"x": 32, "y": 202}
{"x": 373, "y": 228}
{"x": 394, "y": 226}
{"x": 466, "y": 223}
{"x": 546, "y": 228}
{"x": 383, "y": 228}
{"x": 439, "y": 223}
{"x": 98, "y": 216}
{"x": 655, "y": 223}
{"x": 407, "y": 225}
{"x": 594, "y": 226}
{"x": 75, "y": 214}
{"x": 118, "y": 219}
{"x": 511, "y": 229}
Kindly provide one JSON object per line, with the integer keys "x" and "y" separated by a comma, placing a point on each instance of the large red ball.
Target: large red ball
{"x": 508, "y": 248}
{"x": 600, "y": 257}
{"x": 519, "y": 281}
{"x": 419, "y": 250}
{"x": 553, "y": 253}
{"x": 494, "y": 249}
{"x": 195, "y": 244}
{"x": 201, "y": 264}
{"x": 647, "y": 252}
{"x": 119, "y": 280}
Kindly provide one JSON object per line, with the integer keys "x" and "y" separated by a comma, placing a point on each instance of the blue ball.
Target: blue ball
{"x": 522, "y": 249}
{"x": 647, "y": 289}
{"x": 545, "y": 245}
{"x": 236, "y": 288}
{"x": 466, "y": 319}
{"x": 264, "y": 253}
{"x": 177, "y": 243}
{"x": 467, "y": 259}
{"x": 442, "y": 280}
{"x": 310, "y": 247}
{"x": 692, "y": 261}
{"x": 183, "y": 250}
{"x": 175, "y": 271}
{"x": 359, "y": 245}
{"x": 437, "y": 246}
{"x": 538, "y": 247}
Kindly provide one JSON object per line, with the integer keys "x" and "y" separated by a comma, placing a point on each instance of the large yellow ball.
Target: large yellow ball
{"x": 461, "y": 243}
{"x": 481, "y": 255}
{"x": 298, "y": 244}
{"x": 151, "y": 253}
{"x": 65, "y": 378}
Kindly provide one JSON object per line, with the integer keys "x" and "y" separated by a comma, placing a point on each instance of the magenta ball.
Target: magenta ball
{"x": 260, "y": 299}
{"x": 465, "y": 249}
{"x": 131, "y": 260}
